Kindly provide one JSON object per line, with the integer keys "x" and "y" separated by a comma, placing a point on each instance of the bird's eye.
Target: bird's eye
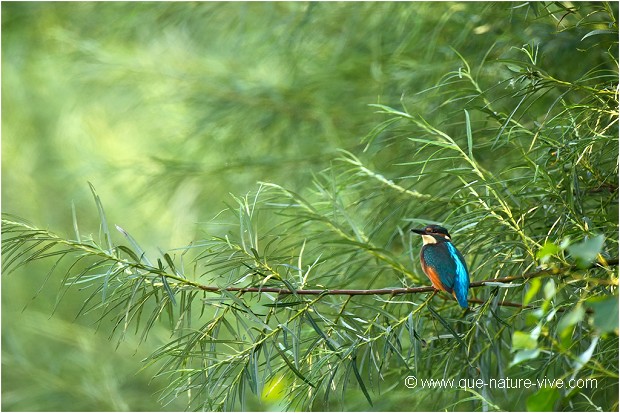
{"x": 429, "y": 229}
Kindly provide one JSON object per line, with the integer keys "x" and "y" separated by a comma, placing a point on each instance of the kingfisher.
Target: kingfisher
{"x": 443, "y": 264}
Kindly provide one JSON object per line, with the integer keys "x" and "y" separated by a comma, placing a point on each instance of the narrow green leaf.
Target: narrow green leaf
{"x": 585, "y": 252}
{"x": 140, "y": 252}
{"x": 292, "y": 367}
{"x": 549, "y": 289}
{"x": 376, "y": 131}
{"x": 521, "y": 63}
{"x": 168, "y": 290}
{"x": 413, "y": 334}
{"x": 102, "y": 218}
{"x": 171, "y": 264}
{"x": 470, "y": 139}
{"x": 360, "y": 381}
{"x": 294, "y": 340}
{"x": 605, "y": 316}
{"x": 106, "y": 281}
{"x": 543, "y": 400}
{"x": 599, "y": 32}
{"x": 75, "y": 223}
{"x": 282, "y": 304}
{"x": 502, "y": 285}
{"x": 21, "y": 256}
{"x": 129, "y": 252}
{"x": 523, "y": 341}
{"x": 570, "y": 319}
{"x": 499, "y": 319}
{"x": 241, "y": 392}
{"x": 330, "y": 383}
{"x": 246, "y": 310}
{"x": 547, "y": 251}
{"x": 434, "y": 142}
{"x": 446, "y": 325}
{"x": 391, "y": 111}
{"x": 255, "y": 254}
{"x": 524, "y": 355}
{"x": 585, "y": 356}
{"x": 320, "y": 332}
{"x": 532, "y": 288}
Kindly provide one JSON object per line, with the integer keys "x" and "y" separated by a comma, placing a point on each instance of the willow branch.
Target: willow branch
{"x": 395, "y": 291}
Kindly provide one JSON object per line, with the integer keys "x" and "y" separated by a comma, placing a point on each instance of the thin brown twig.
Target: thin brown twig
{"x": 392, "y": 291}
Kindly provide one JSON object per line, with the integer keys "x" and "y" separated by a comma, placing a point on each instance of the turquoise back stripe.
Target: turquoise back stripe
{"x": 461, "y": 284}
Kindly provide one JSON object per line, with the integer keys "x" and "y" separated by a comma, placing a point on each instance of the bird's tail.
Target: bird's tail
{"x": 461, "y": 296}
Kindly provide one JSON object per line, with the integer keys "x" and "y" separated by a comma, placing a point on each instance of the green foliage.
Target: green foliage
{"x": 605, "y": 313}
{"x": 543, "y": 400}
{"x": 508, "y": 145}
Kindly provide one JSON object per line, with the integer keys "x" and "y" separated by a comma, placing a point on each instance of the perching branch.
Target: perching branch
{"x": 395, "y": 291}
{"x": 38, "y": 236}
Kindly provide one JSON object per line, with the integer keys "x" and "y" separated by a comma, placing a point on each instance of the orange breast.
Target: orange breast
{"x": 434, "y": 277}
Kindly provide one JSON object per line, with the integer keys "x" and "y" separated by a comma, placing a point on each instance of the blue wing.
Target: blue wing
{"x": 461, "y": 281}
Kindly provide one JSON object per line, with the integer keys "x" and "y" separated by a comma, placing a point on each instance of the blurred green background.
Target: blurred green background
{"x": 167, "y": 109}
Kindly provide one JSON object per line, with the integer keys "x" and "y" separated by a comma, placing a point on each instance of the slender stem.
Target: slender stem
{"x": 390, "y": 291}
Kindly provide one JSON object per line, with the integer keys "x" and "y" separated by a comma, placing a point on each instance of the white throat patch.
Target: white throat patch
{"x": 429, "y": 239}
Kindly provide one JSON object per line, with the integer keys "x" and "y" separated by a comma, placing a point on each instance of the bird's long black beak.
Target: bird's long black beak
{"x": 419, "y": 231}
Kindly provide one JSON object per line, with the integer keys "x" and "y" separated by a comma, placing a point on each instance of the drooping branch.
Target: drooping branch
{"x": 396, "y": 291}
{"x": 38, "y": 236}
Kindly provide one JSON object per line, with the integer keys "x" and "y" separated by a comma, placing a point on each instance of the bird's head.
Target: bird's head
{"x": 433, "y": 234}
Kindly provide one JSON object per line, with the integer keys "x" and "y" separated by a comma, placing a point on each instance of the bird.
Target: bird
{"x": 443, "y": 264}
